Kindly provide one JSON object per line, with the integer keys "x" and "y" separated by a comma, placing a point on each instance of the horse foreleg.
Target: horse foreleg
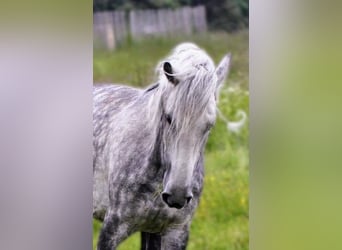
{"x": 150, "y": 241}
{"x": 113, "y": 232}
{"x": 175, "y": 239}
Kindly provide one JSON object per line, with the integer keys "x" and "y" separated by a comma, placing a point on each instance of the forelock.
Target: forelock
{"x": 186, "y": 60}
{"x": 195, "y": 71}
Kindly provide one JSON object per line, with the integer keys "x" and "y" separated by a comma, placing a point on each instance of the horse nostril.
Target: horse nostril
{"x": 171, "y": 201}
{"x": 188, "y": 199}
{"x": 165, "y": 196}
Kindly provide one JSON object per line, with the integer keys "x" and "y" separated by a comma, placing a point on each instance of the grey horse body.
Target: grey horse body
{"x": 137, "y": 172}
{"x": 148, "y": 151}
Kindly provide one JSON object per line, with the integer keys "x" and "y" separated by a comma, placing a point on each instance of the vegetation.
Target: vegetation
{"x": 226, "y": 15}
{"x": 221, "y": 220}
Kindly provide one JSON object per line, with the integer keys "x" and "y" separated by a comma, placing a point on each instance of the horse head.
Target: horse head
{"x": 189, "y": 84}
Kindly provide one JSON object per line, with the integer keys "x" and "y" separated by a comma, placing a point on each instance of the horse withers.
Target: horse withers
{"x": 148, "y": 150}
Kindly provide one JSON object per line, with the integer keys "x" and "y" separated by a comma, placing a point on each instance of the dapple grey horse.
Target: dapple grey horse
{"x": 148, "y": 150}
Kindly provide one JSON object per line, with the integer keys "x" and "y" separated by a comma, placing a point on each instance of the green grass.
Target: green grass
{"x": 221, "y": 220}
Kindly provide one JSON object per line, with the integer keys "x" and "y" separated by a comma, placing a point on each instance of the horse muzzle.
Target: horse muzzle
{"x": 176, "y": 199}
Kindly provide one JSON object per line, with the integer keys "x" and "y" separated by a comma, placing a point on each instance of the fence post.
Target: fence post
{"x": 199, "y": 19}
{"x": 120, "y": 29}
{"x": 111, "y": 28}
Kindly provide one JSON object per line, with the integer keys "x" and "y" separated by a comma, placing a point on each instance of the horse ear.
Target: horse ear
{"x": 222, "y": 70}
{"x": 169, "y": 73}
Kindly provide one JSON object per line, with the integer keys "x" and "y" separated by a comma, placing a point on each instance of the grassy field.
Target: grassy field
{"x": 221, "y": 220}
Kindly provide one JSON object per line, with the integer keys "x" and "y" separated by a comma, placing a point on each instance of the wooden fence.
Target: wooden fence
{"x": 113, "y": 27}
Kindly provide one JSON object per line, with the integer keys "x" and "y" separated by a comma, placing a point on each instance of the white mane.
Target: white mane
{"x": 186, "y": 60}
{"x": 195, "y": 71}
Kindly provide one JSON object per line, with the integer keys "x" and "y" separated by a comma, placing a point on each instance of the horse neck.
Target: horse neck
{"x": 157, "y": 130}
{"x": 157, "y": 153}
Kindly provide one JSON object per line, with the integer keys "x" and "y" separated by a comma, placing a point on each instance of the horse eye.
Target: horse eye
{"x": 168, "y": 119}
{"x": 209, "y": 126}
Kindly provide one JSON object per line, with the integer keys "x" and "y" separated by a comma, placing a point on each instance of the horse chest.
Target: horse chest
{"x": 157, "y": 217}
{"x": 151, "y": 214}
{"x": 140, "y": 204}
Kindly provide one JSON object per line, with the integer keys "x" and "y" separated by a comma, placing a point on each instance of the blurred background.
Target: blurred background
{"x": 294, "y": 126}
{"x": 130, "y": 38}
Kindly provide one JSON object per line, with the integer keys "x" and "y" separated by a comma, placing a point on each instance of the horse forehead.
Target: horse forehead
{"x": 171, "y": 99}
{"x": 207, "y": 115}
